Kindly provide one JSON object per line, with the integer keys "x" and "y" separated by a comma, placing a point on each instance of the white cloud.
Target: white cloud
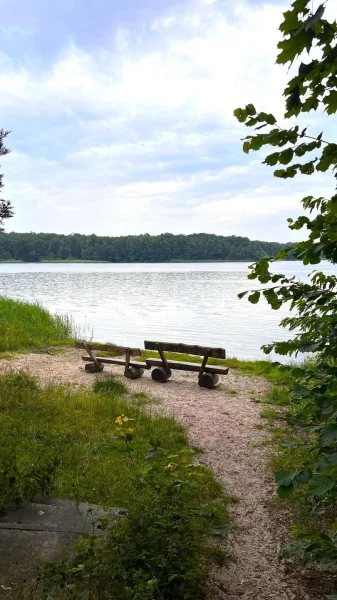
{"x": 163, "y": 23}
{"x": 203, "y": 72}
{"x": 122, "y": 39}
{"x": 154, "y": 144}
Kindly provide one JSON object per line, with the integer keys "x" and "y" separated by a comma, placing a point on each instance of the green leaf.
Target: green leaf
{"x": 240, "y": 114}
{"x": 333, "y": 459}
{"x": 286, "y": 156}
{"x": 320, "y": 465}
{"x": 328, "y": 158}
{"x": 251, "y": 122}
{"x": 280, "y": 173}
{"x": 331, "y": 102}
{"x": 242, "y": 294}
{"x": 284, "y": 491}
{"x": 272, "y": 159}
{"x": 290, "y": 22}
{"x": 301, "y": 149}
{"x": 310, "y": 103}
{"x": 272, "y": 299}
{"x": 254, "y": 298}
{"x": 246, "y": 147}
{"x": 303, "y": 477}
{"x": 267, "y": 117}
{"x": 285, "y": 477}
{"x": 328, "y": 435}
{"x": 294, "y": 46}
{"x": 320, "y": 485}
{"x": 307, "y": 168}
{"x": 250, "y": 109}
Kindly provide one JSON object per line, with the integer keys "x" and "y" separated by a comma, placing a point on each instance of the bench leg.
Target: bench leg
{"x": 133, "y": 373}
{"x": 93, "y": 368}
{"x": 208, "y": 380}
{"x": 160, "y": 374}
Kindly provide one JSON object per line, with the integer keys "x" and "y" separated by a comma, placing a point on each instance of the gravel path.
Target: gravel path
{"x": 225, "y": 422}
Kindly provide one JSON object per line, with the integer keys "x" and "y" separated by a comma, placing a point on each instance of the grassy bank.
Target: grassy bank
{"x": 25, "y": 326}
{"x": 110, "y": 448}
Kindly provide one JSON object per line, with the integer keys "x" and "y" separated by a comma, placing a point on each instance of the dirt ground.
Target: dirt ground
{"x": 226, "y": 423}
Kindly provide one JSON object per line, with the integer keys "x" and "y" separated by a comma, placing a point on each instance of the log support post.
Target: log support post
{"x": 164, "y": 372}
{"x": 131, "y": 372}
{"x": 203, "y": 364}
{"x": 97, "y": 366}
{"x": 207, "y": 380}
{"x": 127, "y": 361}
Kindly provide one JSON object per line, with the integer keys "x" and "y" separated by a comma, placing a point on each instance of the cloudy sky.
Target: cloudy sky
{"x": 121, "y": 117}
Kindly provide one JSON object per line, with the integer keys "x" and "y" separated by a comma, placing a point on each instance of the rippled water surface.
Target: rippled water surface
{"x": 128, "y": 303}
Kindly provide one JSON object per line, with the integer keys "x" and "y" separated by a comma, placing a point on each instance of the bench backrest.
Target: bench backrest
{"x": 186, "y": 349}
{"x": 108, "y": 348}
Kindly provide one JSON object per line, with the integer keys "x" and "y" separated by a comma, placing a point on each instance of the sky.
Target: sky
{"x": 121, "y": 117}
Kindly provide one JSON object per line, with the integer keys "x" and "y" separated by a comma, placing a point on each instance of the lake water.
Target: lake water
{"x": 182, "y": 302}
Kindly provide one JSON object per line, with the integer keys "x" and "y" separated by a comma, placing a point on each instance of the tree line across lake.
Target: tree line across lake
{"x": 35, "y": 247}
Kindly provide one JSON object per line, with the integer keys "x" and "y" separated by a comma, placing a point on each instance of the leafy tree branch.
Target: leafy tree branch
{"x": 313, "y": 322}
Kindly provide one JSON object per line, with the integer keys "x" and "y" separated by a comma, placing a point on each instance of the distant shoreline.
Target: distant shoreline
{"x": 106, "y": 262}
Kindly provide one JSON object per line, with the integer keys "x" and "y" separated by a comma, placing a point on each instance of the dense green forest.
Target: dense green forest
{"x": 34, "y": 247}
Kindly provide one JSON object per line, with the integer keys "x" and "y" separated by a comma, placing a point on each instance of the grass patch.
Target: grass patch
{"x": 7, "y": 356}
{"x": 110, "y": 386}
{"x": 78, "y": 445}
{"x": 75, "y": 431}
{"x": 25, "y": 326}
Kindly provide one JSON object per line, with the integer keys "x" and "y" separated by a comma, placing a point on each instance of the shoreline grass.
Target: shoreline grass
{"x": 25, "y": 326}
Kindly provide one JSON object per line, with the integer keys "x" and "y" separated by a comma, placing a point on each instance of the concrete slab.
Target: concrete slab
{"x": 21, "y": 553}
{"x": 47, "y": 530}
{"x": 65, "y": 518}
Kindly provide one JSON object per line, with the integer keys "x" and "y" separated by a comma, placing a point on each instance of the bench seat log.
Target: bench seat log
{"x": 117, "y": 361}
{"x": 108, "y": 348}
{"x": 187, "y": 366}
{"x": 186, "y": 349}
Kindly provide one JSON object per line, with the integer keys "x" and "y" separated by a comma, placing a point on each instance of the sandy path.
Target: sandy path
{"x": 224, "y": 422}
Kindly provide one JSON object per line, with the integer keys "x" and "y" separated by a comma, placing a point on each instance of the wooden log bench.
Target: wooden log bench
{"x": 132, "y": 370}
{"x": 208, "y": 375}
